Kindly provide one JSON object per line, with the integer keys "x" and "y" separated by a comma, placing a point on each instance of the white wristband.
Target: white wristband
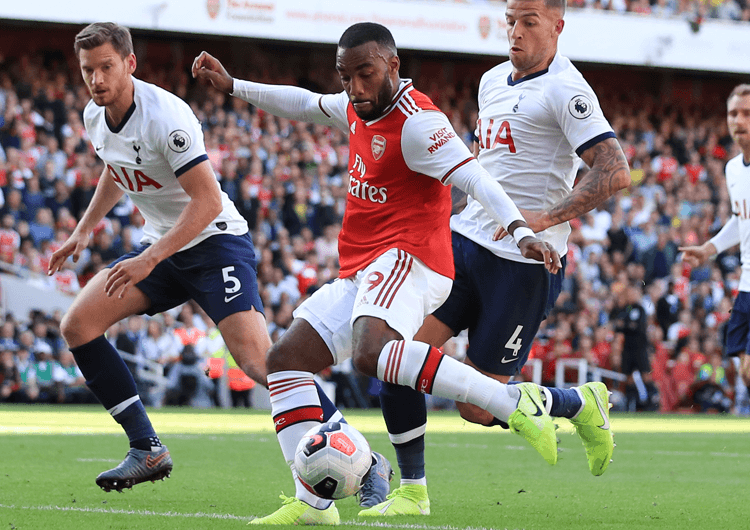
{"x": 521, "y": 232}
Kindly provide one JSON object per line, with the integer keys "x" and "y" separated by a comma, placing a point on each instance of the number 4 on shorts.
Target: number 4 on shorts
{"x": 514, "y": 342}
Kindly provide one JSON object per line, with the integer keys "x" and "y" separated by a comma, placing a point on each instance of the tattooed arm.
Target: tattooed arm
{"x": 609, "y": 174}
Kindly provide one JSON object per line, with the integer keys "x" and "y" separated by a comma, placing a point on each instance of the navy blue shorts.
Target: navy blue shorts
{"x": 219, "y": 273}
{"x": 738, "y": 326}
{"x": 501, "y": 302}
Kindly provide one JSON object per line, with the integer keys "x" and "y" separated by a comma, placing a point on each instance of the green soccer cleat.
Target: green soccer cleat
{"x": 294, "y": 511}
{"x": 409, "y": 499}
{"x": 592, "y": 425}
{"x": 531, "y": 421}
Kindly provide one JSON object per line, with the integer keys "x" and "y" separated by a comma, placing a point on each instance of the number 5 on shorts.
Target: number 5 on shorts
{"x": 235, "y": 284}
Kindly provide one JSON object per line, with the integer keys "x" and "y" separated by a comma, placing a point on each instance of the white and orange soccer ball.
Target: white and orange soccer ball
{"x": 332, "y": 460}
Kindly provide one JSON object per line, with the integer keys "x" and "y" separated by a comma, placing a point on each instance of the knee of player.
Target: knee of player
{"x": 71, "y": 329}
{"x": 256, "y": 372}
{"x": 366, "y": 362}
{"x": 277, "y": 360}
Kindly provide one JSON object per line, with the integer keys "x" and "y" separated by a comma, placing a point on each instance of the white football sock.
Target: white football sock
{"x": 295, "y": 407}
{"x": 426, "y": 369}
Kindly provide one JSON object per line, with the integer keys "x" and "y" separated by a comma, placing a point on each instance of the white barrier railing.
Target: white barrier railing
{"x": 586, "y": 372}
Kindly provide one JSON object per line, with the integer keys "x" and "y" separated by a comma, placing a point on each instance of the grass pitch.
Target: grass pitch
{"x": 685, "y": 472}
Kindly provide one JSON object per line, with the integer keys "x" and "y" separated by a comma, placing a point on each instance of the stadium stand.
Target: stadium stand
{"x": 289, "y": 181}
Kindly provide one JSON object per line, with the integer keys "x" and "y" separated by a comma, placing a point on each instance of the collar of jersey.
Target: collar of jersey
{"x": 404, "y": 86}
{"x": 117, "y": 128}
{"x": 527, "y": 77}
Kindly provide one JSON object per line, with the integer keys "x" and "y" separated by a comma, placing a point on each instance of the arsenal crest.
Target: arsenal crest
{"x": 378, "y": 146}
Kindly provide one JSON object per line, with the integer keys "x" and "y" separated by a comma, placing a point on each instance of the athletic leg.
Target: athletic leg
{"x": 319, "y": 335}
{"x": 83, "y": 327}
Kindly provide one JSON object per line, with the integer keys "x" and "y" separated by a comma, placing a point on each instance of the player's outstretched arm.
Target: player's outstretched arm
{"x": 208, "y": 68}
{"x": 609, "y": 174}
{"x": 105, "y": 197}
{"x": 280, "y": 100}
{"x": 200, "y": 184}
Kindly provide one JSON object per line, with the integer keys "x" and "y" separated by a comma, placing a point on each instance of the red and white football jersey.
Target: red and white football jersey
{"x": 399, "y": 165}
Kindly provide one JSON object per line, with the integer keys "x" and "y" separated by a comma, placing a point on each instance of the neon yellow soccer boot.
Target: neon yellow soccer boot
{"x": 531, "y": 421}
{"x": 294, "y": 511}
{"x": 592, "y": 425}
{"x": 409, "y": 499}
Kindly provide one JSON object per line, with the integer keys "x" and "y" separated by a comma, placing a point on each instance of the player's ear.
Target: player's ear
{"x": 394, "y": 63}
{"x": 131, "y": 62}
{"x": 559, "y": 26}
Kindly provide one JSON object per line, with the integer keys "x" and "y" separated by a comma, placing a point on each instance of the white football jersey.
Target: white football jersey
{"x": 158, "y": 140}
{"x": 738, "y": 175}
{"x": 531, "y": 133}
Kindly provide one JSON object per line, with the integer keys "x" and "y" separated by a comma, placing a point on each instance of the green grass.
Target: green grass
{"x": 683, "y": 472}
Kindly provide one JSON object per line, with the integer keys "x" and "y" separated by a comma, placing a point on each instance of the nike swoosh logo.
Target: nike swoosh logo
{"x": 152, "y": 462}
{"x": 504, "y": 360}
{"x": 97, "y": 148}
{"x": 538, "y": 410}
{"x": 228, "y": 299}
{"x": 605, "y": 425}
{"x": 385, "y": 508}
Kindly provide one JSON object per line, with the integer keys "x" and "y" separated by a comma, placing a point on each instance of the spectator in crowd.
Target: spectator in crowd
{"x": 10, "y": 383}
{"x": 28, "y": 391}
{"x": 70, "y": 383}
{"x": 188, "y": 383}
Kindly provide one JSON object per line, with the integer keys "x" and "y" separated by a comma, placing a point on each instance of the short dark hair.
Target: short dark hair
{"x": 740, "y": 90}
{"x": 364, "y": 32}
{"x": 556, "y": 4}
{"x": 99, "y": 33}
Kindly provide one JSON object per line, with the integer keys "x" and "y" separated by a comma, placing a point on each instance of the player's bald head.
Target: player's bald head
{"x": 100, "y": 33}
{"x": 364, "y": 32}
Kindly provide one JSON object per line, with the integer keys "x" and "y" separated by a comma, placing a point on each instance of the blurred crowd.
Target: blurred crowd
{"x": 289, "y": 180}
{"x": 694, "y": 11}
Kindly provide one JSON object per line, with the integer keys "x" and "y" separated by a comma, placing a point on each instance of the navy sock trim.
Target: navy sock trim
{"x": 329, "y": 409}
{"x": 565, "y": 402}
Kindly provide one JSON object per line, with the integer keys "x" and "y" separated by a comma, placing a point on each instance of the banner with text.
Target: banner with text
{"x": 600, "y": 37}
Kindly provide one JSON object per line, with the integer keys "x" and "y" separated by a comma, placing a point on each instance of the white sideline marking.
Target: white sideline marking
{"x": 683, "y": 453}
{"x": 227, "y": 516}
{"x": 201, "y": 515}
{"x": 110, "y": 460}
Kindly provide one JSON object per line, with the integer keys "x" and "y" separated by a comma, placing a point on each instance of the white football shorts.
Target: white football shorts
{"x": 396, "y": 287}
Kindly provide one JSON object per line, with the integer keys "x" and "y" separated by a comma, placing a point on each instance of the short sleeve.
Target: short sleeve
{"x": 431, "y": 146}
{"x": 178, "y": 135}
{"x": 577, "y": 110}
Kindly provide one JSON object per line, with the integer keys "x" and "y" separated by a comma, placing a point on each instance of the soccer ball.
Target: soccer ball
{"x": 332, "y": 460}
